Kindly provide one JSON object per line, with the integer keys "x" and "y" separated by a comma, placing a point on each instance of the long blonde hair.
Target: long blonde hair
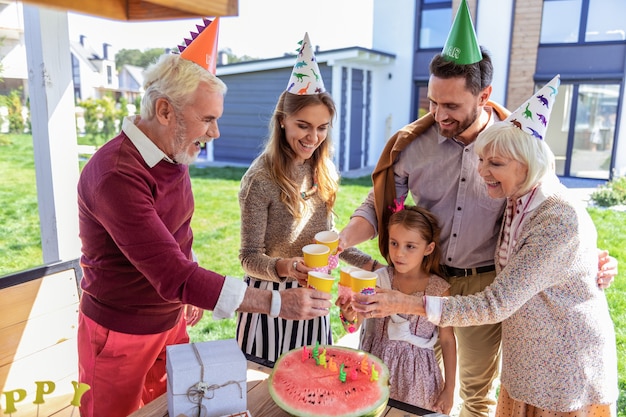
{"x": 278, "y": 157}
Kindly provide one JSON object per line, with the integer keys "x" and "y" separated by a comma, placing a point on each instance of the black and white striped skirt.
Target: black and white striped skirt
{"x": 268, "y": 338}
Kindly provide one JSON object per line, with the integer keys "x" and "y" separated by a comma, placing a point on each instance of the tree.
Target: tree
{"x": 232, "y": 58}
{"x": 122, "y": 111}
{"x": 1, "y": 58}
{"x": 137, "y": 58}
{"x": 101, "y": 120}
{"x": 13, "y": 102}
{"x": 110, "y": 113}
{"x": 145, "y": 58}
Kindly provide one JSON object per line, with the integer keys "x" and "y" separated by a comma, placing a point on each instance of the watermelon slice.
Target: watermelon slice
{"x": 303, "y": 386}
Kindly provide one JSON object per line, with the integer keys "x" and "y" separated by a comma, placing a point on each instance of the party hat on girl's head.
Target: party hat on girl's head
{"x": 306, "y": 77}
{"x": 532, "y": 116}
{"x": 462, "y": 46}
{"x": 202, "y": 47}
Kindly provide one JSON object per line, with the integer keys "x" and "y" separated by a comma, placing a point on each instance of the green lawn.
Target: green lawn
{"x": 216, "y": 228}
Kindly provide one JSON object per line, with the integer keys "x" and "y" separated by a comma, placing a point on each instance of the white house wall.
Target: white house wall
{"x": 393, "y": 32}
{"x": 13, "y": 62}
{"x": 493, "y": 29}
{"x": 394, "y": 26}
{"x": 89, "y": 80}
{"x": 336, "y": 93}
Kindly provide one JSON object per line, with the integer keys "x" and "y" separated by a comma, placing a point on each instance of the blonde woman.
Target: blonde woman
{"x": 286, "y": 197}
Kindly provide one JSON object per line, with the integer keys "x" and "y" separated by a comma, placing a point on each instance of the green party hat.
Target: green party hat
{"x": 462, "y": 46}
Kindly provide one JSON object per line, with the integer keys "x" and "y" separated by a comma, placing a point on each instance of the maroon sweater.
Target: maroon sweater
{"x": 134, "y": 224}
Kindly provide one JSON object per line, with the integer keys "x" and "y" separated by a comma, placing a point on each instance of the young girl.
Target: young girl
{"x": 405, "y": 342}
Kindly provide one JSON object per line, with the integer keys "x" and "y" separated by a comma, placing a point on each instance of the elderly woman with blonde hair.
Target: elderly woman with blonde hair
{"x": 558, "y": 341}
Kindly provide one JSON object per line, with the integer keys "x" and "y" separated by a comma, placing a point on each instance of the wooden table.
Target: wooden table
{"x": 260, "y": 404}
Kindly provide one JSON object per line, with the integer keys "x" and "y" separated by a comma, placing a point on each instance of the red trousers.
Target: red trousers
{"x": 124, "y": 371}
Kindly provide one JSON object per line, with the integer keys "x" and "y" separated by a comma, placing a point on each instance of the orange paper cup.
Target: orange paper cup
{"x": 363, "y": 281}
{"x": 315, "y": 255}
{"x": 320, "y": 281}
{"x": 328, "y": 238}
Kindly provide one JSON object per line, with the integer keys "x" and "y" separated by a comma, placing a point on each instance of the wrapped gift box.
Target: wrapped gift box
{"x": 206, "y": 379}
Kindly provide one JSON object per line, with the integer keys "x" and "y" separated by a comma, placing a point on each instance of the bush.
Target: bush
{"x": 13, "y": 102}
{"x": 101, "y": 120}
{"x": 612, "y": 193}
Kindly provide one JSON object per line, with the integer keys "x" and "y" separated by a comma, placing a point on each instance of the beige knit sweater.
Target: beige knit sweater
{"x": 268, "y": 230}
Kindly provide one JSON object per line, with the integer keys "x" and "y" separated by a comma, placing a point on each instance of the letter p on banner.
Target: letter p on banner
{"x": 13, "y": 397}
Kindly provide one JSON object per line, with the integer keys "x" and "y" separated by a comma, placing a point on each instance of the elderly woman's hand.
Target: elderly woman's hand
{"x": 387, "y": 302}
{"x": 607, "y": 269}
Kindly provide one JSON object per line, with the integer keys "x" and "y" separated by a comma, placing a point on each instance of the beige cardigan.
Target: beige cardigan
{"x": 558, "y": 342}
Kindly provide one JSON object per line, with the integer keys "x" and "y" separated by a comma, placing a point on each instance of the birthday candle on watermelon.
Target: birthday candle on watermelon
{"x": 342, "y": 374}
{"x": 354, "y": 374}
{"x": 374, "y": 376}
{"x": 364, "y": 365}
{"x": 323, "y": 358}
{"x": 332, "y": 366}
{"x": 305, "y": 354}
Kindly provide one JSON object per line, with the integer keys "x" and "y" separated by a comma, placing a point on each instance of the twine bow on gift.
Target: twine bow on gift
{"x": 202, "y": 389}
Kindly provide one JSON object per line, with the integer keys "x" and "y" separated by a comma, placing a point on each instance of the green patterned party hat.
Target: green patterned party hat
{"x": 462, "y": 46}
{"x": 533, "y": 116}
{"x": 306, "y": 77}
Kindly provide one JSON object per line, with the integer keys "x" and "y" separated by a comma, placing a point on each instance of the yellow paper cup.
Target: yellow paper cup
{"x": 315, "y": 255}
{"x": 363, "y": 282}
{"x": 320, "y": 281}
{"x": 328, "y": 238}
{"x": 344, "y": 275}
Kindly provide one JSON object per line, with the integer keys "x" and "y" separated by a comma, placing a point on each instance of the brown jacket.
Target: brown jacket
{"x": 383, "y": 174}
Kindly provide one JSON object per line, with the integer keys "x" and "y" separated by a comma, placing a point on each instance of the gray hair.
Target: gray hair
{"x": 175, "y": 78}
{"x": 506, "y": 140}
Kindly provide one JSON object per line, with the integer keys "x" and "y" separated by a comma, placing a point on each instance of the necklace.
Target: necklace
{"x": 308, "y": 194}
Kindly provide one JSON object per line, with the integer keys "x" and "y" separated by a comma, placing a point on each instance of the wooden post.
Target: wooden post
{"x": 54, "y": 130}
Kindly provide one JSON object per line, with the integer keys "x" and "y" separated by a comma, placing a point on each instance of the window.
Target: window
{"x": 582, "y": 129}
{"x": 579, "y": 21}
{"x": 76, "y": 77}
{"x": 423, "y": 104}
{"x": 606, "y": 21}
{"x": 560, "y": 21}
{"x": 435, "y": 22}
